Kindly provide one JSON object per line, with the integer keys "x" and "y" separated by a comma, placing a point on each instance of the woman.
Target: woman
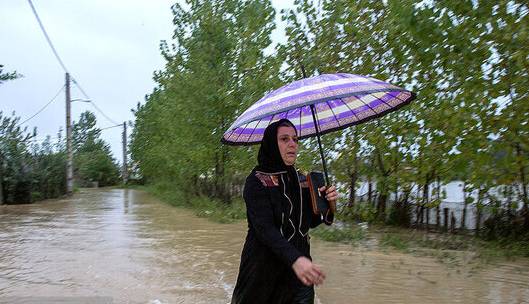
{"x": 276, "y": 265}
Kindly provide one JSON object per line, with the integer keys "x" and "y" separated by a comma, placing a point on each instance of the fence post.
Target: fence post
{"x": 478, "y": 219}
{"x": 445, "y": 224}
{"x": 437, "y": 217}
{"x": 452, "y": 222}
{"x": 427, "y": 218}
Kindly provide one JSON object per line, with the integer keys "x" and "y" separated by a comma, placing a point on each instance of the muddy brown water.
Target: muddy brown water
{"x": 129, "y": 247}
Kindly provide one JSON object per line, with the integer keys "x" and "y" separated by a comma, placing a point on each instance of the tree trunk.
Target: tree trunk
{"x": 427, "y": 218}
{"x": 353, "y": 175}
{"x": 381, "y": 205}
{"x": 369, "y": 191}
{"x": 1, "y": 185}
{"x": 1, "y": 179}
{"x": 424, "y": 200}
{"x": 405, "y": 206}
{"x": 445, "y": 217}
{"x": 452, "y": 222}
{"x": 352, "y": 189}
{"x": 437, "y": 217}
{"x": 525, "y": 208}
{"x": 417, "y": 209}
{"x": 478, "y": 220}
{"x": 464, "y": 215}
{"x": 220, "y": 182}
{"x": 478, "y": 211}
{"x": 438, "y": 208}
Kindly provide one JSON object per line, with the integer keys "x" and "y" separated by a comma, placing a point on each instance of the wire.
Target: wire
{"x": 92, "y": 102}
{"x": 62, "y": 64}
{"x": 118, "y": 125}
{"x": 44, "y": 107}
{"x": 47, "y": 37}
{"x": 99, "y": 110}
{"x": 44, "y": 138}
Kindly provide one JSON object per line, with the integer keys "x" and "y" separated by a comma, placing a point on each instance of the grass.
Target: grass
{"x": 444, "y": 246}
{"x": 201, "y": 206}
{"x": 343, "y": 235}
{"x": 451, "y": 249}
{"x": 394, "y": 241}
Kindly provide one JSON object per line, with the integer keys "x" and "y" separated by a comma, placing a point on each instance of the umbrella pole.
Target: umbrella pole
{"x": 319, "y": 144}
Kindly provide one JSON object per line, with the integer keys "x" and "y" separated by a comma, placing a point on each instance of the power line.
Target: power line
{"x": 99, "y": 110}
{"x": 47, "y": 37}
{"x": 118, "y": 125}
{"x": 92, "y": 102}
{"x": 44, "y": 107}
{"x": 45, "y": 138}
{"x": 62, "y": 64}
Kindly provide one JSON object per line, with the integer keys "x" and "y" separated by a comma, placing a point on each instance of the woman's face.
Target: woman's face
{"x": 287, "y": 140}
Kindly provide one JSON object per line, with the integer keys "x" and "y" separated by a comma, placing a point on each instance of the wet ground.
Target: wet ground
{"x": 124, "y": 246}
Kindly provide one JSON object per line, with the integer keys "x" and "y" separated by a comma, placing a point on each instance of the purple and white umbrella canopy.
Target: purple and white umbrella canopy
{"x": 339, "y": 101}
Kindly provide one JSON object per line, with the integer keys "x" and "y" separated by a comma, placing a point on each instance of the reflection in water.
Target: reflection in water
{"x": 129, "y": 246}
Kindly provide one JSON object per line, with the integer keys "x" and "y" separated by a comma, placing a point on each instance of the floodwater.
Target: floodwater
{"x": 124, "y": 246}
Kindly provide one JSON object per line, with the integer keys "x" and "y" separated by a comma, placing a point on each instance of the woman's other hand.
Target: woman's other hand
{"x": 307, "y": 272}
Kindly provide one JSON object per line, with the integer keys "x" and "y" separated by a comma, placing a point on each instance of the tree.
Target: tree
{"x": 93, "y": 160}
{"x": 215, "y": 69}
{"x": 5, "y": 76}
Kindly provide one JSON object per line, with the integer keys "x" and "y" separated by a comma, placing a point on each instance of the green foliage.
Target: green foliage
{"x": 31, "y": 171}
{"x": 392, "y": 240}
{"x": 464, "y": 59}
{"x": 5, "y": 76}
{"x": 201, "y": 206}
{"x": 49, "y": 170}
{"x": 343, "y": 235}
{"x": 215, "y": 69}
{"x": 471, "y": 84}
{"x": 28, "y": 171}
{"x": 93, "y": 160}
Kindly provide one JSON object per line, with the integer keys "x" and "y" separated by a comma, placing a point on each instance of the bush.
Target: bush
{"x": 344, "y": 235}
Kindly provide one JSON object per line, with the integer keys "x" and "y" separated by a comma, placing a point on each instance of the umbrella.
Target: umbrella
{"x": 318, "y": 105}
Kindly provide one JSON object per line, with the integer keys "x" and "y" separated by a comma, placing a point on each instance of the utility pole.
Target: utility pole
{"x": 125, "y": 172}
{"x": 69, "y": 152}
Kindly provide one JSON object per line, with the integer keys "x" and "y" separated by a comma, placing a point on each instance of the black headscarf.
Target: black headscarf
{"x": 269, "y": 158}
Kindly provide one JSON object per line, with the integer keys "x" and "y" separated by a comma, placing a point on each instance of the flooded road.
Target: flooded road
{"x": 132, "y": 248}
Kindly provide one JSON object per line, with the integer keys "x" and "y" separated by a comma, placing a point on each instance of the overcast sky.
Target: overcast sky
{"x": 110, "y": 47}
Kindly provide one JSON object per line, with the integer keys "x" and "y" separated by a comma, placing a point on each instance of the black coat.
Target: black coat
{"x": 278, "y": 227}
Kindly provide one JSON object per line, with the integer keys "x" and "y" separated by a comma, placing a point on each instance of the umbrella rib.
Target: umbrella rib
{"x": 376, "y": 113}
{"x": 384, "y": 101}
{"x": 253, "y": 131}
{"x": 239, "y": 135}
{"x": 345, "y": 103}
{"x": 317, "y": 120}
{"x": 403, "y": 100}
{"x": 335, "y": 118}
{"x": 318, "y": 101}
{"x": 231, "y": 133}
{"x": 300, "y": 115}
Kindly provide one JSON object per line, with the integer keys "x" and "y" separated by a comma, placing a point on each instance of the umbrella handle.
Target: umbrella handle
{"x": 319, "y": 144}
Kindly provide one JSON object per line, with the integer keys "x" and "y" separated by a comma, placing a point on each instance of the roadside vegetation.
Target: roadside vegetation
{"x": 31, "y": 170}
{"x": 201, "y": 206}
{"x": 470, "y": 122}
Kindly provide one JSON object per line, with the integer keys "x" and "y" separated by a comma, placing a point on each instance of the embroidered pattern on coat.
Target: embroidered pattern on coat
{"x": 268, "y": 180}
